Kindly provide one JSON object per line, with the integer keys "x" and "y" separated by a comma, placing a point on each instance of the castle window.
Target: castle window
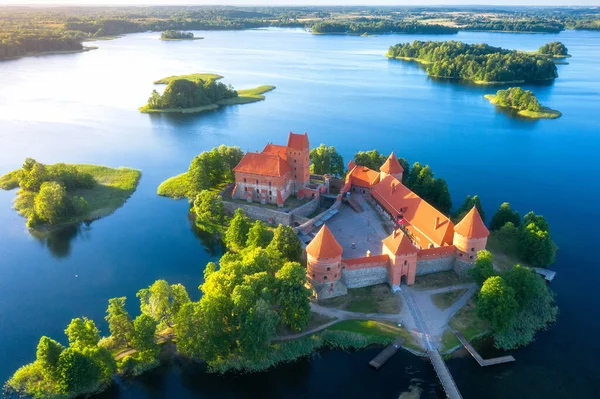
{"x": 471, "y": 257}
{"x": 245, "y": 188}
{"x": 244, "y": 180}
{"x": 313, "y": 275}
{"x": 324, "y": 277}
{"x": 294, "y": 161}
{"x": 329, "y": 269}
{"x": 257, "y": 182}
{"x": 269, "y": 184}
{"x": 405, "y": 262}
{"x": 472, "y": 249}
{"x": 461, "y": 254}
{"x": 270, "y": 192}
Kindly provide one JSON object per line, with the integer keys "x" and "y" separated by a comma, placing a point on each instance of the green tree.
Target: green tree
{"x": 467, "y": 205}
{"x": 162, "y": 301}
{"x": 371, "y": 159}
{"x": 286, "y": 242}
{"x": 208, "y": 208}
{"x": 504, "y": 215}
{"x": 210, "y": 268}
{"x": 82, "y": 333}
{"x": 326, "y": 160}
{"x": 48, "y": 353}
{"x": 293, "y": 296}
{"x": 259, "y": 235}
{"x": 538, "y": 220}
{"x": 32, "y": 175}
{"x": 535, "y": 246}
{"x": 188, "y": 330}
{"x": 144, "y": 330}
{"x": 483, "y": 267}
{"x": 496, "y": 303}
{"x": 257, "y": 329}
{"x": 77, "y": 373}
{"x": 119, "y": 321}
{"x": 51, "y": 204}
{"x": 524, "y": 282}
{"x": 236, "y": 234}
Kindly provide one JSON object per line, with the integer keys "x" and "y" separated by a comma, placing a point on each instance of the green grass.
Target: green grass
{"x": 504, "y": 252}
{"x": 373, "y": 299}
{"x": 195, "y": 110}
{"x": 411, "y": 59}
{"x": 543, "y": 113}
{"x": 248, "y": 96}
{"x": 440, "y": 280}
{"x": 468, "y": 323}
{"x": 193, "y": 77}
{"x": 114, "y": 186}
{"x": 10, "y": 180}
{"x": 449, "y": 340}
{"x": 175, "y": 187}
{"x": 444, "y": 300}
{"x": 380, "y": 329}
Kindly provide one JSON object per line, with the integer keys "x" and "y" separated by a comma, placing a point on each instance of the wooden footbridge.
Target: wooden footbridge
{"x": 482, "y": 362}
{"x": 386, "y": 354}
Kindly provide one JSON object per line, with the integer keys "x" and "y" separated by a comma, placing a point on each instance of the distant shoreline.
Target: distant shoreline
{"x": 55, "y": 52}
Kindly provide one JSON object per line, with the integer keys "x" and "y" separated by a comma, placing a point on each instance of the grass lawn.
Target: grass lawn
{"x": 449, "y": 340}
{"x": 378, "y": 329}
{"x": 175, "y": 187}
{"x": 248, "y": 96}
{"x": 543, "y": 113}
{"x": 439, "y": 280}
{"x": 504, "y": 251}
{"x": 193, "y": 77}
{"x": 468, "y": 323}
{"x": 444, "y": 300}
{"x": 114, "y": 186}
{"x": 373, "y": 299}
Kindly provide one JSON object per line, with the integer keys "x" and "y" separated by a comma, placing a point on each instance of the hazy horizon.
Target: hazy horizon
{"x": 550, "y": 3}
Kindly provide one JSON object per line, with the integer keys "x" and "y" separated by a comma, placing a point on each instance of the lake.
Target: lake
{"x": 82, "y": 108}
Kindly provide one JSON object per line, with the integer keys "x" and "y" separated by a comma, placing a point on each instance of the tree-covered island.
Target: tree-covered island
{"x": 178, "y": 35}
{"x": 197, "y": 93}
{"x": 524, "y": 101}
{"x": 362, "y": 26}
{"x": 554, "y": 50}
{"x": 59, "y": 194}
{"x": 477, "y": 63}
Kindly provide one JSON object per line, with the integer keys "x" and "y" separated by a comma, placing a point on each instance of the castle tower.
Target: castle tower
{"x": 391, "y": 167}
{"x": 403, "y": 258}
{"x": 470, "y": 236}
{"x": 298, "y": 157}
{"x": 324, "y": 265}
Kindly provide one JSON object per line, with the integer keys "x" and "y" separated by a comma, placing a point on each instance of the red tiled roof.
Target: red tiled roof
{"x": 298, "y": 141}
{"x": 275, "y": 149}
{"x": 324, "y": 245}
{"x": 263, "y": 164}
{"x": 399, "y": 244}
{"x": 422, "y": 219}
{"x": 351, "y": 165}
{"x": 472, "y": 226}
{"x": 392, "y": 165}
{"x": 363, "y": 177}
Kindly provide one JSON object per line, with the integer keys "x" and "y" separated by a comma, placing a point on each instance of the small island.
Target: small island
{"x": 51, "y": 196}
{"x": 524, "y": 101}
{"x": 170, "y": 35}
{"x": 476, "y": 63}
{"x": 554, "y": 50}
{"x": 200, "y": 92}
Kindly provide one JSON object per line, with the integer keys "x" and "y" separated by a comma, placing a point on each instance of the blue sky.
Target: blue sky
{"x": 308, "y": 2}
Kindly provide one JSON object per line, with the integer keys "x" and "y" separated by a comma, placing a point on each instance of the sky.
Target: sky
{"x": 306, "y": 2}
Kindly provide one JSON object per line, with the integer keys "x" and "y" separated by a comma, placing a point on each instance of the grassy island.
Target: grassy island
{"x": 476, "y": 63}
{"x": 195, "y": 93}
{"x": 54, "y": 195}
{"x": 524, "y": 101}
{"x": 170, "y": 35}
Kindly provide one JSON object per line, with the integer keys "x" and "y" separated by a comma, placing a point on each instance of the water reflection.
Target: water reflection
{"x": 212, "y": 244}
{"x": 59, "y": 241}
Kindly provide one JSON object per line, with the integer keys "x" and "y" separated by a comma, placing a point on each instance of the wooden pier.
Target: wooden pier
{"x": 444, "y": 375}
{"x": 547, "y": 274}
{"x": 386, "y": 354}
{"x": 482, "y": 362}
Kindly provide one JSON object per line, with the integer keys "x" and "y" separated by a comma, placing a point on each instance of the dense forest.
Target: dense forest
{"x": 476, "y": 62}
{"x": 176, "y": 35}
{"x": 518, "y": 98}
{"x": 532, "y": 25}
{"x": 184, "y": 93}
{"x": 364, "y": 25}
{"x": 555, "y": 49}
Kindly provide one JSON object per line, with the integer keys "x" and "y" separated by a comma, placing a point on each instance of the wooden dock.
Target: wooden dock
{"x": 482, "y": 362}
{"x": 547, "y": 274}
{"x": 444, "y": 375}
{"x": 386, "y": 354}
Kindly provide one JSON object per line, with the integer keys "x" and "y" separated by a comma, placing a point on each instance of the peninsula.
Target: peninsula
{"x": 195, "y": 93}
{"x": 524, "y": 101}
{"x": 170, "y": 35}
{"x": 51, "y": 196}
{"x": 476, "y": 63}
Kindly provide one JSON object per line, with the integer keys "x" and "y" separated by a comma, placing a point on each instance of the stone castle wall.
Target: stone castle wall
{"x": 364, "y": 277}
{"x": 263, "y": 213}
{"x": 307, "y": 209}
{"x": 461, "y": 267}
{"x": 435, "y": 265}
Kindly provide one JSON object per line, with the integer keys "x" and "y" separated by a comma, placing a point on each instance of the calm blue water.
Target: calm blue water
{"x": 83, "y": 108}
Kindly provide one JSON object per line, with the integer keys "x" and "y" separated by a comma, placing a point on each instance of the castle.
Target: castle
{"x": 271, "y": 176}
{"x": 424, "y": 240}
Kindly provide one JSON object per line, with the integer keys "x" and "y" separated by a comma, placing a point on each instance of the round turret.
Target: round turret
{"x": 470, "y": 236}
{"x": 324, "y": 257}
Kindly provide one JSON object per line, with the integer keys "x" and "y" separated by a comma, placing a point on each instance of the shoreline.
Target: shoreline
{"x": 85, "y": 49}
{"x": 543, "y": 113}
{"x": 179, "y": 40}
